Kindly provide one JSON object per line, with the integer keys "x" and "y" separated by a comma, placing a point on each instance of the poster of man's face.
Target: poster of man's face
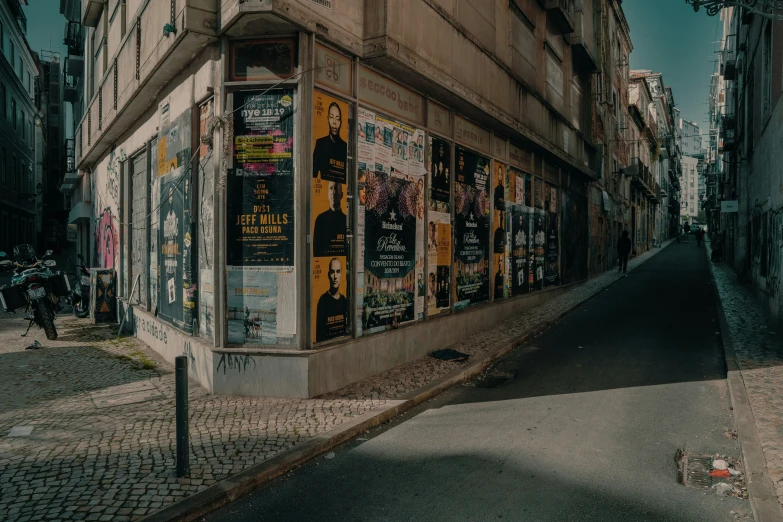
{"x": 334, "y": 274}
{"x": 335, "y": 195}
{"x": 335, "y": 120}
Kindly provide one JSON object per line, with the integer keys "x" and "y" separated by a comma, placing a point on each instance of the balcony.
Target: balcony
{"x": 561, "y": 13}
{"x": 583, "y": 41}
{"x": 727, "y": 141}
{"x": 73, "y": 39}
{"x": 70, "y": 91}
{"x": 91, "y": 12}
{"x": 730, "y": 70}
{"x": 142, "y": 70}
{"x": 642, "y": 177}
{"x": 74, "y": 66}
{"x": 15, "y": 6}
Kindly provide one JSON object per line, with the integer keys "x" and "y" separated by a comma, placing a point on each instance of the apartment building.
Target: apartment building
{"x": 609, "y": 197}
{"x": 19, "y": 193}
{"x": 746, "y": 203}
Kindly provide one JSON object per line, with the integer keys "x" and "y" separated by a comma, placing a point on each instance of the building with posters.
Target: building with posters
{"x": 300, "y": 194}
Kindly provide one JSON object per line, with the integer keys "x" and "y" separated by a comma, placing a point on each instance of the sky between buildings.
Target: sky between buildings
{"x": 667, "y": 36}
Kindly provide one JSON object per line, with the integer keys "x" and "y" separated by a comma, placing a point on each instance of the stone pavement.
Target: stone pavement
{"x": 757, "y": 348}
{"x": 87, "y": 421}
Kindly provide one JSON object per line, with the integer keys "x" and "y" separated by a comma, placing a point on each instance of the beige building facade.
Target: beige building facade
{"x": 298, "y": 194}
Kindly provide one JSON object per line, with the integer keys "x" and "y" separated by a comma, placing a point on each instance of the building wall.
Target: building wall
{"x": 690, "y": 189}
{"x": 690, "y": 138}
{"x": 17, "y": 136}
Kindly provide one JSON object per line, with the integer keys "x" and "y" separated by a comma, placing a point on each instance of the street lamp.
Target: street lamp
{"x": 772, "y": 9}
{"x": 38, "y": 192}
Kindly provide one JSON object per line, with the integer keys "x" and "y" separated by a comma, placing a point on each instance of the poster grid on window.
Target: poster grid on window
{"x": 471, "y": 224}
{"x": 330, "y": 218}
{"x": 391, "y": 187}
{"x": 260, "y": 217}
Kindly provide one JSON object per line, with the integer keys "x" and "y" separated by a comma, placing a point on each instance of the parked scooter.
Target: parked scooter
{"x": 80, "y": 296}
{"x": 36, "y": 288}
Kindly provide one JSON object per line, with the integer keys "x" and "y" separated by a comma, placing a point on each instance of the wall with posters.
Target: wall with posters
{"x": 391, "y": 210}
{"x": 177, "y": 292}
{"x": 471, "y": 223}
{"x": 260, "y": 220}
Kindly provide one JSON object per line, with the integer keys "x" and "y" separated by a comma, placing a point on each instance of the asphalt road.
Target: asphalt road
{"x": 587, "y": 431}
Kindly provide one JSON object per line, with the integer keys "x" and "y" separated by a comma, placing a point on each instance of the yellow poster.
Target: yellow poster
{"x": 329, "y": 222}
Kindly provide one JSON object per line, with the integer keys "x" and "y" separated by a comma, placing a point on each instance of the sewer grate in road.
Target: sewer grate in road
{"x": 704, "y": 472}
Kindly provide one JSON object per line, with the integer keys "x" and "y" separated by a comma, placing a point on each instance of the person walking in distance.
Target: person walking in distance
{"x": 623, "y": 250}
{"x": 699, "y": 237}
{"x": 685, "y": 229}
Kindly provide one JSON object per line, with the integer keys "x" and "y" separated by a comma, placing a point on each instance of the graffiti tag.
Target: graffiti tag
{"x": 239, "y": 363}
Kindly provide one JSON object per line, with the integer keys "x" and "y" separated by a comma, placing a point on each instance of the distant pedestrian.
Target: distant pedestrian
{"x": 685, "y": 229}
{"x": 699, "y": 236}
{"x": 623, "y": 249}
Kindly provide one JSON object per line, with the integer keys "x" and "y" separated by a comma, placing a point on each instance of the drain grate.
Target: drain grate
{"x": 697, "y": 472}
{"x": 494, "y": 379}
{"x": 694, "y": 472}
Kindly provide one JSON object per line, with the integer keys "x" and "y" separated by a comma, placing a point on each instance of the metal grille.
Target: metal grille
{"x": 115, "y": 85}
{"x": 138, "y": 47}
{"x": 100, "y": 108}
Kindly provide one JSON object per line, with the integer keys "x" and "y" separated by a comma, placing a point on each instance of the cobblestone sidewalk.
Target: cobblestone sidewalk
{"x": 760, "y": 358}
{"x": 87, "y": 421}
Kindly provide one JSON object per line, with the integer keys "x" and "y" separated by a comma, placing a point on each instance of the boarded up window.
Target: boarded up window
{"x": 139, "y": 231}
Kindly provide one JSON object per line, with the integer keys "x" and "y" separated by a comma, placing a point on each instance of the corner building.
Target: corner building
{"x": 300, "y": 194}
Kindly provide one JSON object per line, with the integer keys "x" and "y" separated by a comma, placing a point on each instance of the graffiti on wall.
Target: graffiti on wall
{"x": 105, "y": 240}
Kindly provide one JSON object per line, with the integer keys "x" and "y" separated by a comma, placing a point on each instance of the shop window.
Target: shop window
{"x": 253, "y": 60}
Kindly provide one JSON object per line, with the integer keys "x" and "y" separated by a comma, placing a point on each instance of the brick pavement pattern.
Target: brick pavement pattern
{"x": 102, "y": 416}
{"x": 757, "y": 349}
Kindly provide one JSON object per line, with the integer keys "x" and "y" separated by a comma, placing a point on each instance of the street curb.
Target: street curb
{"x": 238, "y": 485}
{"x": 761, "y": 492}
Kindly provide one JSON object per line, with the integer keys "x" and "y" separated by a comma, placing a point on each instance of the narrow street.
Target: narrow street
{"x": 587, "y": 430}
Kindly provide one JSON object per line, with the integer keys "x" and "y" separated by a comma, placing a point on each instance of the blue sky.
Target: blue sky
{"x": 668, "y": 37}
{"x": 45, "y": 25}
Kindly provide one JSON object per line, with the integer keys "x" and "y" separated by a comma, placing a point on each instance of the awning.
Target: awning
{"x": 79, "y": 213}
{"x": 70, "y": 180}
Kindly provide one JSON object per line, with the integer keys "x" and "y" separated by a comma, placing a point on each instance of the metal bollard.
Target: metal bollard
{"x": 183, "y": 432}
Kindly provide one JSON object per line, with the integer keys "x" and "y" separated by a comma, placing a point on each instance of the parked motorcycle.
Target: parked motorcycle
{"x": 36, "y": 288}
{"x": 80, "y": 296}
